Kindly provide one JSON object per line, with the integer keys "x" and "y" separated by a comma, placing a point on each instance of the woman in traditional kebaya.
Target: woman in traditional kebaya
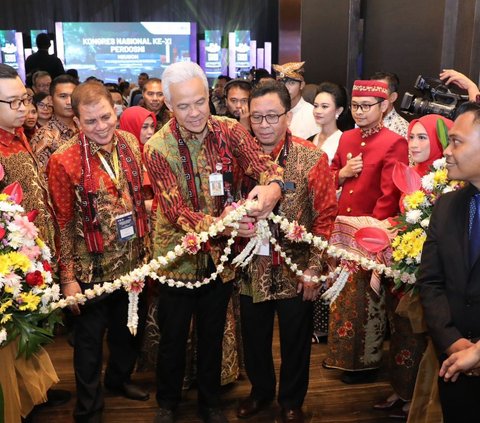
{"x": 407, "y": 345}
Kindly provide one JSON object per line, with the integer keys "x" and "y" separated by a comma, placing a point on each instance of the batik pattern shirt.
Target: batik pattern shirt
{"x": 64, "y": 172}
{"x": 20, "y": 165}
{"x": 312, "y": 204}
{"x": 48, "y": 138}
{"x": 396, "y": 123}
{"x": 175, "y": 215}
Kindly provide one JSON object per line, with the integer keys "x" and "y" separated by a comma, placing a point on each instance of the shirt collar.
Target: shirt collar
{"x": 64, "y": 129}
{"x": 372, "y": 131}
{"x": 7, "y": 138}
{"x": 94, "y": 147}
{"x": 187, "y": 135}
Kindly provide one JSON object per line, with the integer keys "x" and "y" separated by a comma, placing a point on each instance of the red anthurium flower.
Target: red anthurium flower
{"x": 15, "y": 192}
{"x": 405, "y": 178}
{"x": 372, "y": 239}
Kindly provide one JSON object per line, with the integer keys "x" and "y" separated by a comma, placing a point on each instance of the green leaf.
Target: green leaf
{"x": 442, "y": 133}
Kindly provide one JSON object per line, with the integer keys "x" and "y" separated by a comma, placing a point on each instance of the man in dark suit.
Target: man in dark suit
{"x": 449, "y": 275}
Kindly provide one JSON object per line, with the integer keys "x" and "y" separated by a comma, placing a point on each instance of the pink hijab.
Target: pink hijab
{"x": 132, "y": 119}
{"x": 429, "y": 122}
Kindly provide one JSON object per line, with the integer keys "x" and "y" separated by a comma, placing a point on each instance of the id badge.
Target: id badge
{"x": 216, "y": 184}
{"x": 125, "y": 227}
{"x": 264, "y": 248}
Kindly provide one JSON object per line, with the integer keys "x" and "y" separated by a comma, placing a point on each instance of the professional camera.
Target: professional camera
{"x": 435, "y": 97}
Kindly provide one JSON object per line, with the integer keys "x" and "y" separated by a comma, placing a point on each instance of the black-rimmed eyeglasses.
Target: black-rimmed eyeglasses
{"x": 15, "y": 104}
{"x": 270, "y": 118}
{"x": 363, "y": 107}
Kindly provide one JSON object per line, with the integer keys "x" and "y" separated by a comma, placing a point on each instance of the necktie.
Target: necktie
{"x": 475, "y": 229}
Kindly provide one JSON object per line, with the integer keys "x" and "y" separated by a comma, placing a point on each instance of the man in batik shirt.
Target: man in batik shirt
{"x": 60, "y": 128}
{"x": 185, "y": 160}
{"x": 270, "y": 286}
{"x": 95, "y": 185}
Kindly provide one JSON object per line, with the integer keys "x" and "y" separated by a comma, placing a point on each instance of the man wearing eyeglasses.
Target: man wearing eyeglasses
{"x": 41, "y": 81}
{"x": 269, "y": 286}
{"x": 363, "y": 166}
{"x": 20, "y": 165}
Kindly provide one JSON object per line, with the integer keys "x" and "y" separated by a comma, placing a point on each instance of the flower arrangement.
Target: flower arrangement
{"x": 417, "y": 206}
{"x": 26, "y": 285}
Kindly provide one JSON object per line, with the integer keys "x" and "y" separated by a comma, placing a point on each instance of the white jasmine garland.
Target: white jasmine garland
{"x": 292, "y": 230}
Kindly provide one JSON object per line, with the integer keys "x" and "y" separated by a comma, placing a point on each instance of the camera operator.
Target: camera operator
{"x": 450, "y": 76}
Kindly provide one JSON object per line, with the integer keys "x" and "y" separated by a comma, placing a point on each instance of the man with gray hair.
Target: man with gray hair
{"x": 194, "y": 163}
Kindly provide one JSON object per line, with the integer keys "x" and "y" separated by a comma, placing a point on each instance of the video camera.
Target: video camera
{"x": 435, "y": 98}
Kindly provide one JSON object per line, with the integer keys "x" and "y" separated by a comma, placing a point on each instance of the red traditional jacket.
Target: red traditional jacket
{"x": 373, "y": 192}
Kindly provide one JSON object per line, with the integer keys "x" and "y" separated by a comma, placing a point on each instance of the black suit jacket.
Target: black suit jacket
{"x": 449, "y": 286}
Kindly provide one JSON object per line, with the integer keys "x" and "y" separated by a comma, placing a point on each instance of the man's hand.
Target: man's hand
{"x": 267, "y": 197}
{"x": 461, "y": 361}
{"x": 459, "y": 345}
{"x": 353, "y": 167}
{"x": 245, "y": 117}
{"x": 246, "y": 225}
{"x": 70, "y": 289}
{"x": 310, "y": 289}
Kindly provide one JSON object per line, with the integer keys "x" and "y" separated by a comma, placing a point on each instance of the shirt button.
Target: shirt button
{"x": 363, "y": 143}
{"x": 351, "y": 191}
{"x": 349, "y": 210}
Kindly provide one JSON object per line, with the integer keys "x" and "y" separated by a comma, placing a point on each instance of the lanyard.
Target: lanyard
{"x": 115, "y": 173}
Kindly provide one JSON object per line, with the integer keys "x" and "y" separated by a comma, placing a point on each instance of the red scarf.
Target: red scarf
{"x": 91, "y": 226}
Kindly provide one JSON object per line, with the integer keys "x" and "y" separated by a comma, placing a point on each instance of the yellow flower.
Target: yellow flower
{"x": 5, "y": 318}
{"x": 28, "y": 301}
{"x": 3, "y": 197}
{"x": 5, "y": 306}
{"x": 19, "y": 261}
{"x": 440, "y": 177}
{"x": 4, "y": 264}
{"x": 8, "y": 289}
{"x": 413, "y": 200}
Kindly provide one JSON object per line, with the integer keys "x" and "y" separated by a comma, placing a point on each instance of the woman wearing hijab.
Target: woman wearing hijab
{"x": 406, "y": 345}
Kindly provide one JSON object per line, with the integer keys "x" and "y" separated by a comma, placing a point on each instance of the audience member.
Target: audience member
{"x": 302, "y": 124}
{"x": 218, "y": 95}
{"x": 329, "y": 104}
{"x": 60, "y": 128}
{"x": 237, "y": 93}
{"x": 43, "y": 102}
{"x": 154, "y": 101}
{"x": 42, "y": 60}
{"x": 184, "y": 203}
{"x": 94, "y": 181}
{"x": 270, "y": 286}
{"x": 30, "y": 124}
{"x": 391, "y": 119}
{"x": 448, "y": 278}
{"x": 136, "y": 94}
{"x": 41, "y": 81}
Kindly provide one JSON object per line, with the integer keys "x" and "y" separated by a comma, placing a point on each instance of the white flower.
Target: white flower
{"x": 413, "y": 216}
{"x": 447, "y": 189}
{"x": 439, "y": 163}
{"x": 427, "y": 181}
{"x": 425, "y": 222}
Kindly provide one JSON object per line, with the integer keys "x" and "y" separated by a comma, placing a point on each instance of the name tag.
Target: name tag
{"x": 125, "y": 227}
{"x": 215, "y": 181}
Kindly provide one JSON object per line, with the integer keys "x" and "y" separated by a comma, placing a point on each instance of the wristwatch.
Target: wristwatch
{"x": 280, "y": 183}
